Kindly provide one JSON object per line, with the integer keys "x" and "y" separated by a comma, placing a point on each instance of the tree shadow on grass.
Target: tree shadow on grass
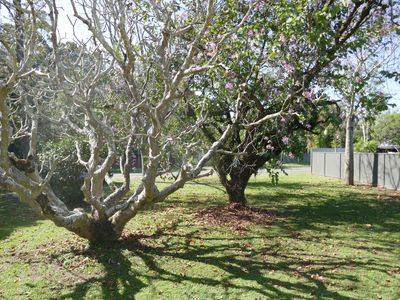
{"x": 372, "y": 216}
{"x": 310, "y": 206}
{"x": 14, "y": 214}
{"x": 256, "y": 274}
{"x": 347, "y": 206}
{"x": 119, "y": 280}
{"x": 235, "y": 261}
{"x": 311, "y": 210}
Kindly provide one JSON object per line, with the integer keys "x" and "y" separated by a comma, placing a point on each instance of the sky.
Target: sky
{"x": 66, "y": 28}
{"x": 392, "y": 87}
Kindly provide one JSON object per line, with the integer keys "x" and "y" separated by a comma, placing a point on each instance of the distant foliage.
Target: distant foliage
{"x": 68, "y": 176}
{"x": 370, "y": 146}
{"x": 387, "y": 128}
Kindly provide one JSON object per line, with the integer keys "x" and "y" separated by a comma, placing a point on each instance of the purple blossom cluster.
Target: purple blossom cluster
{"x": 361, "y": 110}
{"x": 308, "y": 95}
{"x": 259, "y": 6}
{"x": 289, "y": 68}
{"x": 229, "y": 85}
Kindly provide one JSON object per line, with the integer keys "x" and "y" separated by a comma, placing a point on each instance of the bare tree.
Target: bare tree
{"x": 150, "y": 50}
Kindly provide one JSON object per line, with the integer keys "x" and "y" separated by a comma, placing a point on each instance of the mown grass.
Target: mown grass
{"x": 327, "y": 242}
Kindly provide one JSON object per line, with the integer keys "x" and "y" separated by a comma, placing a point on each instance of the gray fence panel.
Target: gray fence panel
{"x": 367, "y": 168}
{"x": 357, "y": 167}
{"x": 392, "y": 171}
{"x": 377, "y": 169}
{"x": 332, "y": 165}
{"x": 318, "y": 161}
{"x": 341, "y": 165}
{"x": 381, "y": 169}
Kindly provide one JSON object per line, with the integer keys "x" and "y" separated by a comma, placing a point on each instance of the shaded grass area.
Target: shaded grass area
{"x": 328, "y": 241}
{"x": 13, "y": 215}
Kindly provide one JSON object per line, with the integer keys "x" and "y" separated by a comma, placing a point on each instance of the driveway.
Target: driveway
{"x": 299, "y": 170}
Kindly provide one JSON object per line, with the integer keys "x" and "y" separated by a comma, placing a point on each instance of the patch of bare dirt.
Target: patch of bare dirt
{"x": 234, "y": 216}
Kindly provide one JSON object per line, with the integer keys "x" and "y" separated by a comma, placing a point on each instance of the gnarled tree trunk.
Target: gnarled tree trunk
{"x": 89, "y": 227}
{"x": 236, "y": 185}
{"x": 234, "y": 174}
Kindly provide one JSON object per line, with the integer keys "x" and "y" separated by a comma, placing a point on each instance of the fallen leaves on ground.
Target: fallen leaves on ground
{"x": 234, "y": 216}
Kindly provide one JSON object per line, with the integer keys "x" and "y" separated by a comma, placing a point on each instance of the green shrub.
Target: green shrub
{"x": 68, "y": 175}
{"x": 370, "y": 146}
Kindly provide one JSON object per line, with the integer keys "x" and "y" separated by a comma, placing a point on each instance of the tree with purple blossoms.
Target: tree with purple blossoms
{"x": 279, "y": 58}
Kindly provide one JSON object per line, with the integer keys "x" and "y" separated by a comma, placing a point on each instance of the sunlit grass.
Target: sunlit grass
{"x": 328, "y": 242}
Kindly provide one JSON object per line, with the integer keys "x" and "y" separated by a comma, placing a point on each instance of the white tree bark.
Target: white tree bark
{"x": 349, "y": 151}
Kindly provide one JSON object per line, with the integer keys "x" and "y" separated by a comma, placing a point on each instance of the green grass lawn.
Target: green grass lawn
{"x": 327, "y": 242}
